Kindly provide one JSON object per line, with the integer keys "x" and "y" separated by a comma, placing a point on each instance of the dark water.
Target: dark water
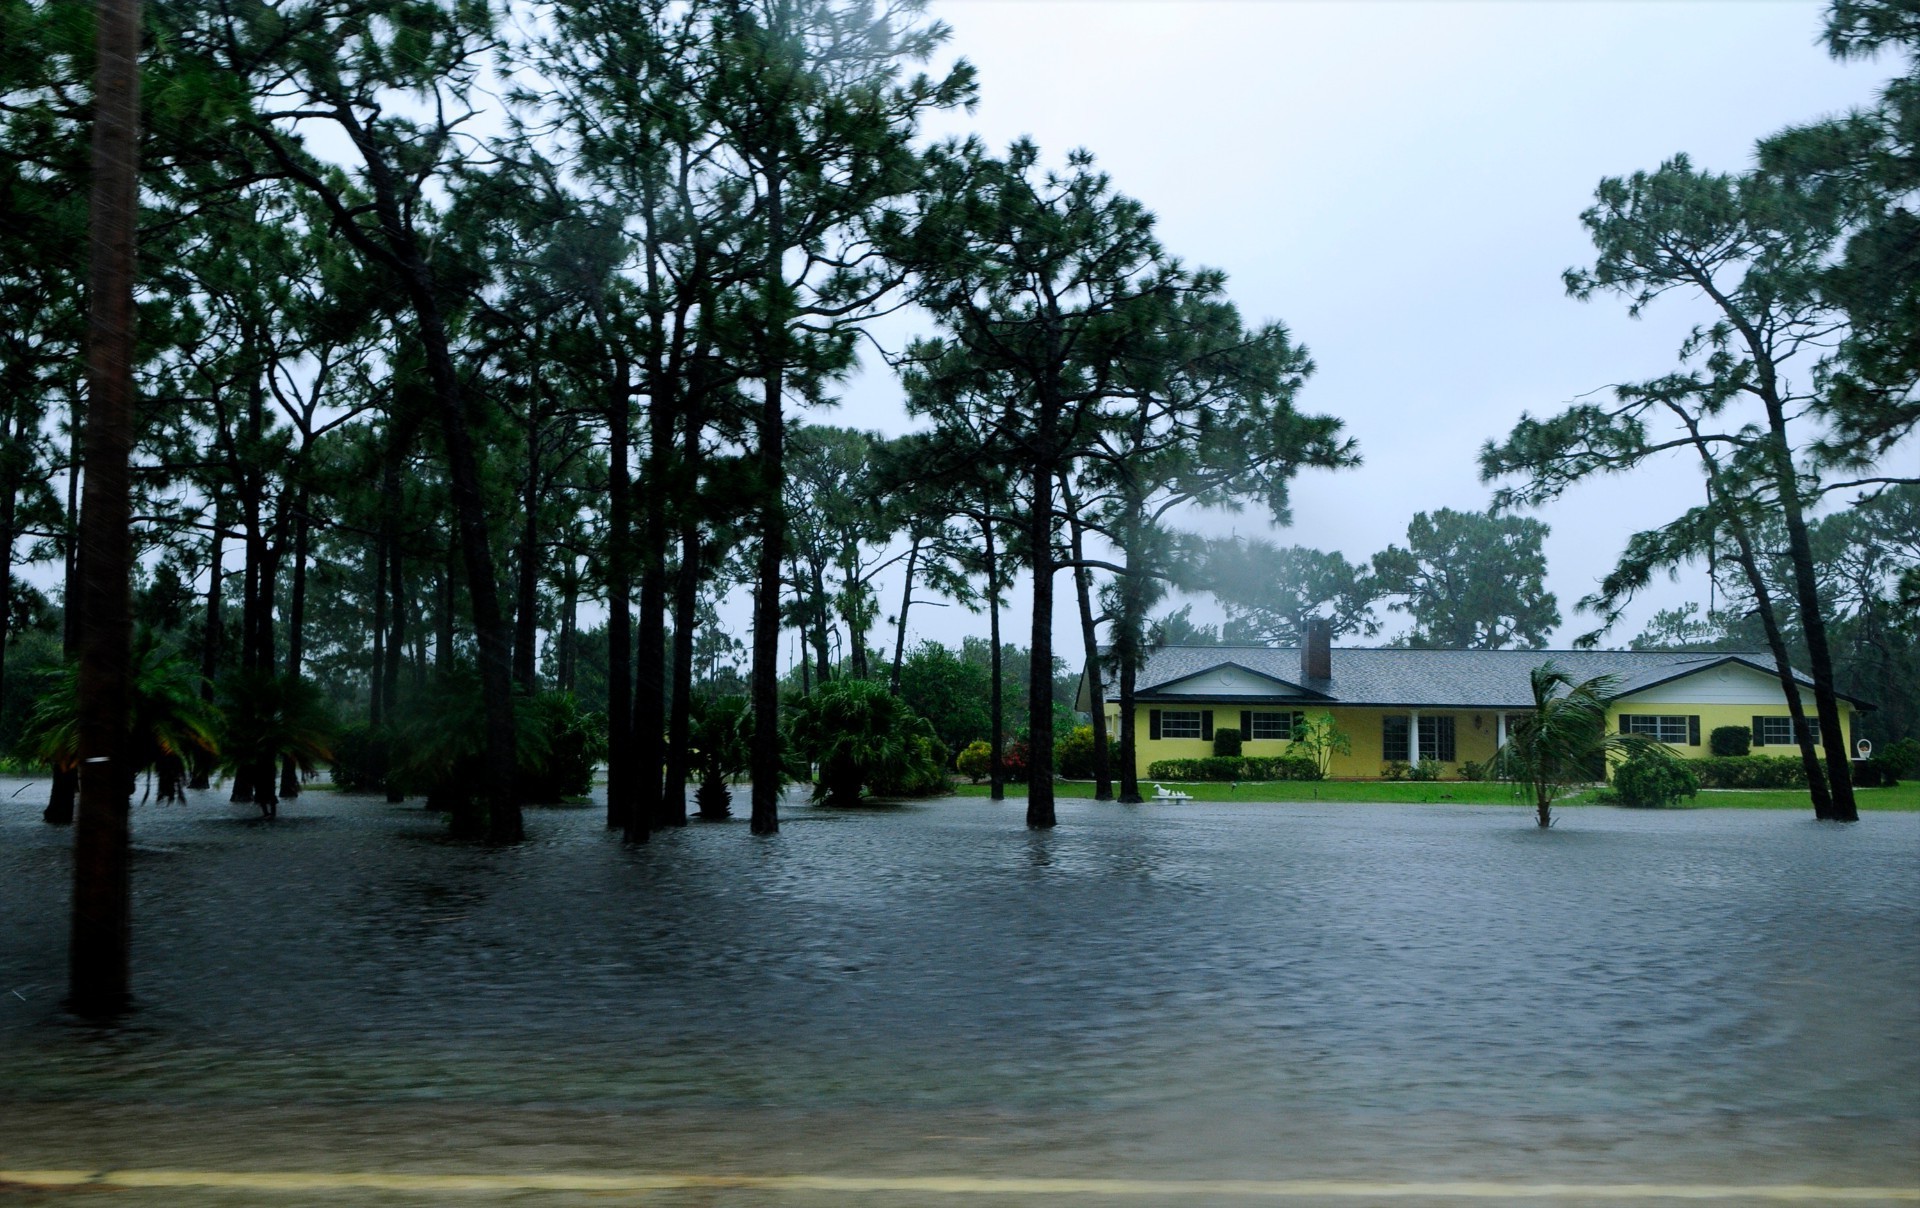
{"x": 1202, "y": 991}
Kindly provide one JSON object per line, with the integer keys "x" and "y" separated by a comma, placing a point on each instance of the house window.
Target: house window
{"x": 1393, "y": 739}
{"x": 1180, "y": 723}
{"x": 1778, "y": 731}
{"x": 1436, "y": 739}
{"x": 1676, "y": 730}
{"x": 1268, "y": 726}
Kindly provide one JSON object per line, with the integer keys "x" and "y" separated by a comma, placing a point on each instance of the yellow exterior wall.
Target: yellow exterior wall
{"x": 1713, "y": 717}
{"x": 1471, "y": 741}
{"x": 1362, "y": 727}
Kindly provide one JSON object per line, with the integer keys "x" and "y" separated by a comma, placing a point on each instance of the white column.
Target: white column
{"x": 1413, "y": 738}
{"x": 1500, "y": 729}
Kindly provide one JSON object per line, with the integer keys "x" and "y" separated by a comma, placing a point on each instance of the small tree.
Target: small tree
{"x": 719, "y": 736}
{"x": 858, "y": 733}
{"x": 976, "y": 761}
{"x": 1320, "y": 739}
{"x": 1563, "y": 739}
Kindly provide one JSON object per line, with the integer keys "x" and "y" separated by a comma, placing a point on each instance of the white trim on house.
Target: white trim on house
{"x": 1233, "y": 680}
{"x": 1727, "y": 684}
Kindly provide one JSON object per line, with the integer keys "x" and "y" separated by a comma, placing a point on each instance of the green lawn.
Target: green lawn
{"x": 1463, "y": 792}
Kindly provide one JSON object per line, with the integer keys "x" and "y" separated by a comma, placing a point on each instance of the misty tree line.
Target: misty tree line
{"x": 459, "y": 322}
{"x": 540, "y": 329}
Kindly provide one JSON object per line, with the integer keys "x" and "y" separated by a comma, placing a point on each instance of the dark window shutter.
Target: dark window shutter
{"x": 1444, "y": 740}
{"x": 1623, "y": 724}
{"x": 1246, "y": 725}
{"x": 1153, "y": 724}
{"x": 1759, "y": 732}
{"x": 1206, "y": 725}
{"x": 1693, "y": 730}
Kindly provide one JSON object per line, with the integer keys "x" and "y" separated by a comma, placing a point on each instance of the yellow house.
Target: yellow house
{"x": 1414, "y": 707}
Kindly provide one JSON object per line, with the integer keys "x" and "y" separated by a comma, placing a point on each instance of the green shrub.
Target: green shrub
{"x": 1073, "y": 758}
{"x": 1903, "y": 756}
{"x": 1425, "y": 771}
{"x": 565, "y": 745}
{"x": 1875, "y": 773}
{"x": 1474, "y": 770}
{"x": 1730, "y": 741}
{"x": 976, "y": 761}
{"x": 1223, "y": 768}
{"x": 360, "y": 757}
{"x": 859, "y": 733}
{"x": 1750, "y": 772}
{"x": 1226, "y": 743}
{"x": 1654, "y": 779}
{"x": 1393, "y": 770}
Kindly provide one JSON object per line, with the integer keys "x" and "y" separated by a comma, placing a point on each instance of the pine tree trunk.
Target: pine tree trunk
{"x": 770, "y": 436}
{"x": 996, "y": 681}
{"x": 210, "y": 639}
{"x": 1083, "y": 589}
{"x": 1040, "y": 812}
{"x": 98, "y": 967}
{"x": 377, "y": 666}
{"x": 650, "y": 652}
{"x": 525, "y": 629}
{"x": 66, "y": 781}
{"x": 686, "y": 605}
{"x": 900, "y": 629}
{"x": 620, "y": 794}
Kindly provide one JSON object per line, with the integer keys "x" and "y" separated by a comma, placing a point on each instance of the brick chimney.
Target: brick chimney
{"x": 1316, "y": 651}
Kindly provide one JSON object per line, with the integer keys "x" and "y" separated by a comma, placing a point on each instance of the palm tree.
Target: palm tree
{"x": 1563, "y": 740}
{"x": 720, "y": 750}
{"x": 270, "y": 718}
{"x": 859, "y": 733}
{"x": 167, "y": 722}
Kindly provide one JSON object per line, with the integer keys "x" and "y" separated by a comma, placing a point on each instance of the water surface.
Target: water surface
{"x": 1195, "y": 991}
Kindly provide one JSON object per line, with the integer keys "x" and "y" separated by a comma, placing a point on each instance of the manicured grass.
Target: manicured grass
{"x": 1903, "y": 797}
{"x": 1906, "y": 797}
{"x": 1398, "y": 792}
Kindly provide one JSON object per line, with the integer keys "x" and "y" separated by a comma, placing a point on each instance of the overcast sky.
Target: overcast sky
{"x": 1400, "y": 184}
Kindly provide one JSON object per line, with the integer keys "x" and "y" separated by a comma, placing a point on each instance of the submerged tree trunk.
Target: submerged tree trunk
{"x": 650, "y": 651}
{"x": 996, "y": 681}
{"x": 377, "y": 667}
{"x": 686, "y": 605}
{"x": 66, "y": 781}
{"x": 1083, "y": 589}
{"x": 620, "y": 794}
{"x": 527, "y": 597}
{"x": 1040, "y": 814}
{"x": 770, "y": 454}
{"x": 1129, "y": 737}
{"x": 210, "y": 641}
{"x": 98, "y": 971}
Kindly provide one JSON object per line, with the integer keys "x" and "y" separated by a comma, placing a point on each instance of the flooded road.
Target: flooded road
{"x": 1190, "y": 993}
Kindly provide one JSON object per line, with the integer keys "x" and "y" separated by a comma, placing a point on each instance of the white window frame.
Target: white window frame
{"x": 1778, "y": 731}
{"x": 1174, "y": 723}
{"x": 1288, "y": 723}
{"x": 1669, "y": 728}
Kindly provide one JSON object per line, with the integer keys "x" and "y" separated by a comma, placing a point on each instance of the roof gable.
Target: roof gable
{"x": 1232, "y": 678}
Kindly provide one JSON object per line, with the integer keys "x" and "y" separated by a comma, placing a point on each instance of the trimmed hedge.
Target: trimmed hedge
{"x": 1226, "y": 767}
{"x": 1226, "y": 743}
{"x": 1654, "y": 779}
{"x": 1729, "y": 741}
{"x": 1750, "y": 772}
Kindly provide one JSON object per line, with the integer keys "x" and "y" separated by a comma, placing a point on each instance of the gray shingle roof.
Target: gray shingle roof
{"x": 1484, "y": 679}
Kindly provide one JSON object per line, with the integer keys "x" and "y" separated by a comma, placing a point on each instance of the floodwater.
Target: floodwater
{"x": 1196, "y": 992}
